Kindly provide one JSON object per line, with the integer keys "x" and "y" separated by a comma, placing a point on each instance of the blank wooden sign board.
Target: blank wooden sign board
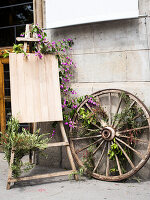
{"x": 35, "y": 89}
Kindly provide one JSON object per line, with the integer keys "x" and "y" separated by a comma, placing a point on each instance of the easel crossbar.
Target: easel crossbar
{"x": 63, "y": 173}
{"x": 58, "y": 144}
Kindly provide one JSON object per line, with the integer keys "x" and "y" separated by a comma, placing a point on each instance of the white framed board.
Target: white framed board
{"x": 71, "y": 12}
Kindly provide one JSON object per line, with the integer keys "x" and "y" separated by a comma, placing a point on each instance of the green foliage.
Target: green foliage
{"x": 87, "y": 116}
{"x": 126, "y": 117}
{"x": 22, "y": 142}
{"x": 114, "y": 150}
{"x": 5, "y": 54}
{"x": 18, "y": 48}
{"x": 88, "y": 163}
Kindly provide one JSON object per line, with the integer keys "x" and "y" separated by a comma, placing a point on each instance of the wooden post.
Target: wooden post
{"x": 2, "y": 100}
{"x": 38, "y": 12}
{"x": 10, "y": 170}
{"x": 34, "y": 12}
{"x": 32, "y": 158}
{"x": 35, "y": 156}
{"x": 63, "y": 132}
{"x": 27, "y": 35}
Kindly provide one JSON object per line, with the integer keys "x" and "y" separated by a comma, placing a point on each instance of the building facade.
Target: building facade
{"x": 113, "y": 54}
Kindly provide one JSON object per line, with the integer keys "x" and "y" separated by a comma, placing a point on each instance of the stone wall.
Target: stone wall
{"x": 113, "y": 54}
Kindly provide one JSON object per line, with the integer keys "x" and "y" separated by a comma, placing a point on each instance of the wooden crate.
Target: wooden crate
{"x": 35, "y": 89}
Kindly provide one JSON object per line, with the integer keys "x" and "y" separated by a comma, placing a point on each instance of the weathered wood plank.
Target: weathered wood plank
{"x": 10, "y": 170}
{"x": 70, "y": 157}
{"x": 22, "y": 39}
{"x": 63, "y": 173}
{"x": 57, "y": 144}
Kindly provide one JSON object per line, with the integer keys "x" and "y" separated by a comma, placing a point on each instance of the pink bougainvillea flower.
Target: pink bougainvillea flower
{"x": 22, "y": 34}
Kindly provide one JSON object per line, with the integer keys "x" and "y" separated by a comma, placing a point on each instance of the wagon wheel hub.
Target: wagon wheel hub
{"x": 108, "y": 133}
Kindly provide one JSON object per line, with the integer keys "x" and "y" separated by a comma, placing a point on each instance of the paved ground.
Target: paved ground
{"x": 65, "y": 189}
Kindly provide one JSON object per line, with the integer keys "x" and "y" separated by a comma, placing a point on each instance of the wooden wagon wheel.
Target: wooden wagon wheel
{"x": 111, "y": 134}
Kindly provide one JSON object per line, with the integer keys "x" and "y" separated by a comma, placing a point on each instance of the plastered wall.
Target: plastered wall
{"x": 112, "y": 54}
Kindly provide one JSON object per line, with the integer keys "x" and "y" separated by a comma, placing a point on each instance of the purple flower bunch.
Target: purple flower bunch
{"x": 38, "y": 53}
{"x": 92, "y": 101}
{"x": 70, "y": 123}
{"x": 52, "y": 133}
{"x": 22, "y": 34}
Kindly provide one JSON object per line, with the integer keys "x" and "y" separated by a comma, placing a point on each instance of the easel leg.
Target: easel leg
{"x": 63, "y": 132}
{"x": 10, "y": 170}
{"x": 32, "y": 158}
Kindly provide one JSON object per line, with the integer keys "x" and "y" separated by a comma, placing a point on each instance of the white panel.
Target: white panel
{"x": 70, "y": 12}
{"x": 35, "y": 89}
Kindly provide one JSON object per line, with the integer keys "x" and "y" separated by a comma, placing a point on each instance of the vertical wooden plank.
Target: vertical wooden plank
{"x": 53, "y": 88}
{"x": 50, "y": 89}
{"x": 28, "y": 108}
{"x": 49, "y": 82}
{"x": 2, "y": 100}
{"x": 34, "y": 12}
{"x": 16, "y": 85}
{"x": 21, "y": 89}
{"x": 27, "y": 35}
{"x": 36, "y": 91}
{"x": 43, "y": 89}
{"x": 39, "y": 13}
{"x": 56, "y": 86}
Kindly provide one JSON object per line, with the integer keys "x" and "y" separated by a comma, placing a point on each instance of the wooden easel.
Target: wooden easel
{"x": 65, "y": 142}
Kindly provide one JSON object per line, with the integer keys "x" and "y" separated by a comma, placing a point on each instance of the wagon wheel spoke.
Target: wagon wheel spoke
{"x": 124, "y": 136}
{"x": 110, "y": 108}
{"x": 99, "y": 101}
{"x": 138, "y": 153}
{"x": 137, "y": 116}
{"x": 84, "y": 138}
{"x": 107, "y": 162}
{"x": 133, "y": 129}
{"x": 91, "y": 122}
{"x": 94, "y": 152}
{"x": 121, "y": 119}
{"x": 118, "y": 164}
{"x": 88, "y": 130}
{"x": 100, "y": 158}
{"x": 133, "y": 102}
{"x": 119, "y": 104}
{"x": 96, "y": 126}
{"x": 88, "y": 106}
{"x": 79, "y": 150}
{"x": 127, "y": 157}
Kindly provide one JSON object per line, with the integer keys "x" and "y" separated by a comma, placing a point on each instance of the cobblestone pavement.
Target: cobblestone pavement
{"x": 65, "y": 189}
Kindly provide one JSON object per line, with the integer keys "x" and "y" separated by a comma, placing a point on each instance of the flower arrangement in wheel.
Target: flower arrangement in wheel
{"x": 111, "y": 133}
